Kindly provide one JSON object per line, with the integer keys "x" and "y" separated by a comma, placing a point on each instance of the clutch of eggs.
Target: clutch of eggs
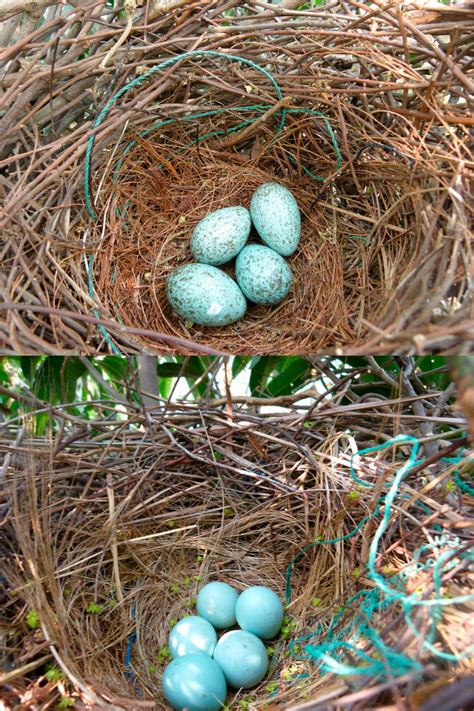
{"x": 205, "y": 295}
{"x": 203, "y": 665}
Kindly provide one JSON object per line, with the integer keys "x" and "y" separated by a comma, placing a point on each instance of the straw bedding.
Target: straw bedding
{"x": 111, "y": 533}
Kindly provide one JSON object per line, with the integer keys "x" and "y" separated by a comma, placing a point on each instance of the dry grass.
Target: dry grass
{"x": 136, "y": 517}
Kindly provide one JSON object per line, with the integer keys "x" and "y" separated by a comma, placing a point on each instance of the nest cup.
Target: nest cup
{"x": 115, "y": 534}
{"x": 366, "y": 263}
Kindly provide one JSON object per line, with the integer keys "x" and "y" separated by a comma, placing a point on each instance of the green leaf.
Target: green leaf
{"x": 54, "y": 673}
{"x": 116, "y": 367}
{"x": 261, "y": 368}
{"x": 55, "y": 379}
{"x": 28, "y": 366}
{"x": 73, "y": 369}
{"x": 171, "y": 370}
{"x": 166, "y": 385}
{"x": 47, "y": 381}
{"x": 41, "y": 422}
{"x": 290, "y": 379}
{"x": 239, "y": 363}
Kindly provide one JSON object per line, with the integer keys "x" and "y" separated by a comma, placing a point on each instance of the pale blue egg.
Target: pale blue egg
{"x": 194, "y": 682}
{"x": 262, "y": 274}
{"x": 190, "y": 635}
{"x": 205, "y": 295}
{"x": 259, "y": 610}
{"x": 242, "y": 657}
{"x": 276, "y": 216}
{"x": 216, "y": 602}
{"x": 220, "y": 236}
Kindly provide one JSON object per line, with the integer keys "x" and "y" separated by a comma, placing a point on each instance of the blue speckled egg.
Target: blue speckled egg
{"x": 220, "y": 236}
{"x": 242, "y": 657}
{"x": 276, "y": 216}
{"x": 205, "y": 295}
{"x": 259, "y": 610}
{"x": 216, "y": 602}
{"x": 262, "y": 274}
{"x": 194, "y": 682}
{"x": 192, "y": 635}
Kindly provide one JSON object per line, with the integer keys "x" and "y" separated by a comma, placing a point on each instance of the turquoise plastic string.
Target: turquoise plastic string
{"x": 460, "y": 483}
{"x": 332, "y": 649}
{"x": 102, "y": 329}
{"x": 136, "y": 82}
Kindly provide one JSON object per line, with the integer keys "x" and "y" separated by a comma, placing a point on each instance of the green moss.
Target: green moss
{"x": 33, "y": 620}
{"x": 94, "y": 609}
{"x": 288, "y": 627}
{"x": 163, "y": 655}
{"x": 272, "y": 687}
{"x": 54, "y": 673}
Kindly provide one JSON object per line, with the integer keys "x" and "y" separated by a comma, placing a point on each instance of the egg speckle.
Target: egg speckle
{"x": 262, "y": 274}
{"x": 242, "y": 657}
{"x": 192, "y": 635}
{"x": 220, "y": 236}
{"x": 205, "y": 295}
{"x": 194, "y": 682}
{"x": 259, "y": 610}
{"x": 216, "y": 602}
{"x": 276, "y": 216}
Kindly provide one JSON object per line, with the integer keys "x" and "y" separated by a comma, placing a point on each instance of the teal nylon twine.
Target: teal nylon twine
{"x": 136, "y": 82}
{"x": 332, "y": 649}
{"x": 458, "y": 480}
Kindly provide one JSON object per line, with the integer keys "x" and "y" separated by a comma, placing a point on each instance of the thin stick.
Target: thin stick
{"x": 113, "y": 538}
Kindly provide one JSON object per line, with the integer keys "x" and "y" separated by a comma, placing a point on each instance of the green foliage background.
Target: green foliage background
{"x": 89, "y": 385}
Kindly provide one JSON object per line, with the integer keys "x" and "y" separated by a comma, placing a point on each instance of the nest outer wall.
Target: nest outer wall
{"x": 114, "y": 533}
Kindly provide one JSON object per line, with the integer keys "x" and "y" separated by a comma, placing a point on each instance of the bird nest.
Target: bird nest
{"x": 108, "y": 537}
{"x": 191, "y": 112}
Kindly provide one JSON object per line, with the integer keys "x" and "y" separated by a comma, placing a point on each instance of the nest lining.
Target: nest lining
{"x": 363, "y": 256}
